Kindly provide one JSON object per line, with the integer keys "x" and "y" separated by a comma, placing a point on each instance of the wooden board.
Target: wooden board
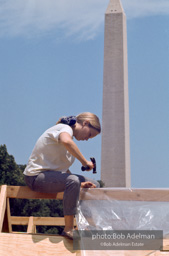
{"x": 46, "y": 221}
{"x": 26, "y": 193}
{"x": 125, "y": 253}
{"x": 35, "y": 245}
{"x": 48, "y": 245}
{"x": 125, "y": 194}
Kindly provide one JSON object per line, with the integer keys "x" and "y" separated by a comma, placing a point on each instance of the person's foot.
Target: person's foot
{"x": 68, "y": 234}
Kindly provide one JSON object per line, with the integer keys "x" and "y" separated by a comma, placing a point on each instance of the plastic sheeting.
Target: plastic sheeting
{"x": 123, "y": 209}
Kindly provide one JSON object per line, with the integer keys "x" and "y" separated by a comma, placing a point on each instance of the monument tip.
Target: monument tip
{"x": 115, "y": 6}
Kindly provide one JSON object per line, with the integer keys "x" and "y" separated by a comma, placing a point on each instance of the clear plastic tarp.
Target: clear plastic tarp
{"x": 123, "y": 209}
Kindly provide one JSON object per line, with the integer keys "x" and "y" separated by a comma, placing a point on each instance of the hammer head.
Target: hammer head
{"x": 94, "y": 162}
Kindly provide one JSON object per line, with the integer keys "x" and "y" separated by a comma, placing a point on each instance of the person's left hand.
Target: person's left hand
{"x": 87, "y": 184}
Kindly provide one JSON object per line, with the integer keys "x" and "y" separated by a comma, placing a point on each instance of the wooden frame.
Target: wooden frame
{"x": 63, "y": 247}
{"x": 126, "y": 194}
{"x": 23, "y": 192}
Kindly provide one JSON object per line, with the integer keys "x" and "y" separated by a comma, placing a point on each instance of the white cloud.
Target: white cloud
{"x": 80, "y": 18}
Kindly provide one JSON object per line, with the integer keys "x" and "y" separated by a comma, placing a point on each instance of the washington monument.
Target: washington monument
{"x": 115, "y": 163}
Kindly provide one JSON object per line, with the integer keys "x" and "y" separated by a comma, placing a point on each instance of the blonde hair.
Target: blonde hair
{"x": 93, "y": 120}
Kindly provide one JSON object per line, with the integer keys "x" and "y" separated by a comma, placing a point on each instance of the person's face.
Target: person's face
{"x": 85, "y": 132}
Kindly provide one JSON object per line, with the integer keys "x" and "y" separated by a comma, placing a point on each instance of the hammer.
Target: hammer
{"x": 84, "y": 168}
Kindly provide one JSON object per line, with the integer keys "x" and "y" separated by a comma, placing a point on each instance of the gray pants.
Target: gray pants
{"x": 54, "y": 182}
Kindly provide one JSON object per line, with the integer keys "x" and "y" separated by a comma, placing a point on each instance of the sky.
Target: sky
{"x": 51, "y": 65}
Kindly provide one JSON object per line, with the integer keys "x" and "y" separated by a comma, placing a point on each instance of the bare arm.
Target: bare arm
{"x": 71, "y": 146}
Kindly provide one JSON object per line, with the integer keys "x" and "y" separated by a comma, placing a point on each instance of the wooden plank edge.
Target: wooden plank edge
{"x": 3, "y": 195}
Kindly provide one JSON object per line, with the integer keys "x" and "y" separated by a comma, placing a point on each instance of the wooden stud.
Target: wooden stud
{"x": 31, "y": 226}
{"x": 2, "y": 204}
{"x": 39, "y": 221}
{"x": 9, "y": 216}
{"x": 165, "y": 245}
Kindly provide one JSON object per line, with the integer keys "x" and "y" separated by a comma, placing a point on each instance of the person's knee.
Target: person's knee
{"x": 73, "y": 181}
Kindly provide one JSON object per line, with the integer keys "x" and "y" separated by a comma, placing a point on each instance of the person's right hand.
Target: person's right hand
{"x": 90, "y": 165}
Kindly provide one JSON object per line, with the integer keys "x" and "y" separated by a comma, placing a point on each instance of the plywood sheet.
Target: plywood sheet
{"x": 36, "y": 245}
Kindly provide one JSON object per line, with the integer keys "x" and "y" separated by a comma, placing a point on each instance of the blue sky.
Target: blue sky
{"x": 51, "y": 64}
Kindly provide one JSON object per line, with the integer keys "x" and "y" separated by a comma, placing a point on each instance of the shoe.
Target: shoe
{"x": 68, "y": 234}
